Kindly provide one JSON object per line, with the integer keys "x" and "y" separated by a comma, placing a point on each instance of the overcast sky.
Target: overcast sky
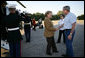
{"x": 77, "y": 7}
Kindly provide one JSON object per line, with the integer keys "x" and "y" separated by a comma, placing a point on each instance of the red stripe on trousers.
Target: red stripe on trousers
{"x": 20, "y": 48}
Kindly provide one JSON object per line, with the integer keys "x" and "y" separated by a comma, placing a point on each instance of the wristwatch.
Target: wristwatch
{"x": 71, "y": 34}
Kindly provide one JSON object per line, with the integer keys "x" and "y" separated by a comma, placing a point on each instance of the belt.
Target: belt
{"x": 13, "y": 29}
{"x": 27, "y": 23}
{"x": 67, "y": 29}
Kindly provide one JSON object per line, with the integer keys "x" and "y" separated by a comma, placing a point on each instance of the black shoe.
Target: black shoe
{"x": 27, "y": 41}
{"x": 64, "y": 55}
{"x": 34, "y": 29}
{"x": 55, "y": 51}
{"x": 64, "y": 43}
{"x": 58, "y": 42}
{"x": 49, "y": 53}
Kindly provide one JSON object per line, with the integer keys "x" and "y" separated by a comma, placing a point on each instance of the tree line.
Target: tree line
{"x": 38, "y": 15}
{"x": 81, "y": 17}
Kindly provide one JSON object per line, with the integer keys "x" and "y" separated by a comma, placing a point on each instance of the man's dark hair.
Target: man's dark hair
{"x": 66, "y": 8}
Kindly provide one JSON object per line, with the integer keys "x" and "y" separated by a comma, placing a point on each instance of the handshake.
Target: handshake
{"x": 59, "y": 27}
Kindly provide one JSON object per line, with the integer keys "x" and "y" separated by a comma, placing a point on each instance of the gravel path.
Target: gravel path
{"x": 37, "y": 46}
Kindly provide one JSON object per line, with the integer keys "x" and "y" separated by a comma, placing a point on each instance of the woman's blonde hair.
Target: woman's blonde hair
{"x": 47, "y": 13}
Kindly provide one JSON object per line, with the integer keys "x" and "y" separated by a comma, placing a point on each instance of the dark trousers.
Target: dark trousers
{"x": 60, "y": 34}
{"x": 69, "y": 47}
{"x": 3, "y": 33}
{"x": 51, "y": 44}
{"x": 15, "y": 49}
{"x": 27, "y": 32}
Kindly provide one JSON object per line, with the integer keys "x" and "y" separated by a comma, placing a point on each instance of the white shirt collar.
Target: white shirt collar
{"x": 61, "y": 19}
{"x": 68, "y": 13}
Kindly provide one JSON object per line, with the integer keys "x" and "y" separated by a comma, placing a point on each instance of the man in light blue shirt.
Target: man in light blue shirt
{"x": 69, "y": 26}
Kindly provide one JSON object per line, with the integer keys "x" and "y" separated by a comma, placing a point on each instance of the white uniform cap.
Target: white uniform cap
{"x": 12, "y": 6}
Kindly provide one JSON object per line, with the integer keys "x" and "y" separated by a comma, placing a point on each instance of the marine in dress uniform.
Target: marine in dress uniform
{"x": 27, "y": 27}
{"x": 14, "y": 37}
{"x": 69, "y": 26}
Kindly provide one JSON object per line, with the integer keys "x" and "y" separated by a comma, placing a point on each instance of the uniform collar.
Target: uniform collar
{"x": 12, "y": 13}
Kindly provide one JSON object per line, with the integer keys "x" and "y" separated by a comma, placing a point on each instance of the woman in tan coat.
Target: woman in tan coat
{"x": 49, "y": 33}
